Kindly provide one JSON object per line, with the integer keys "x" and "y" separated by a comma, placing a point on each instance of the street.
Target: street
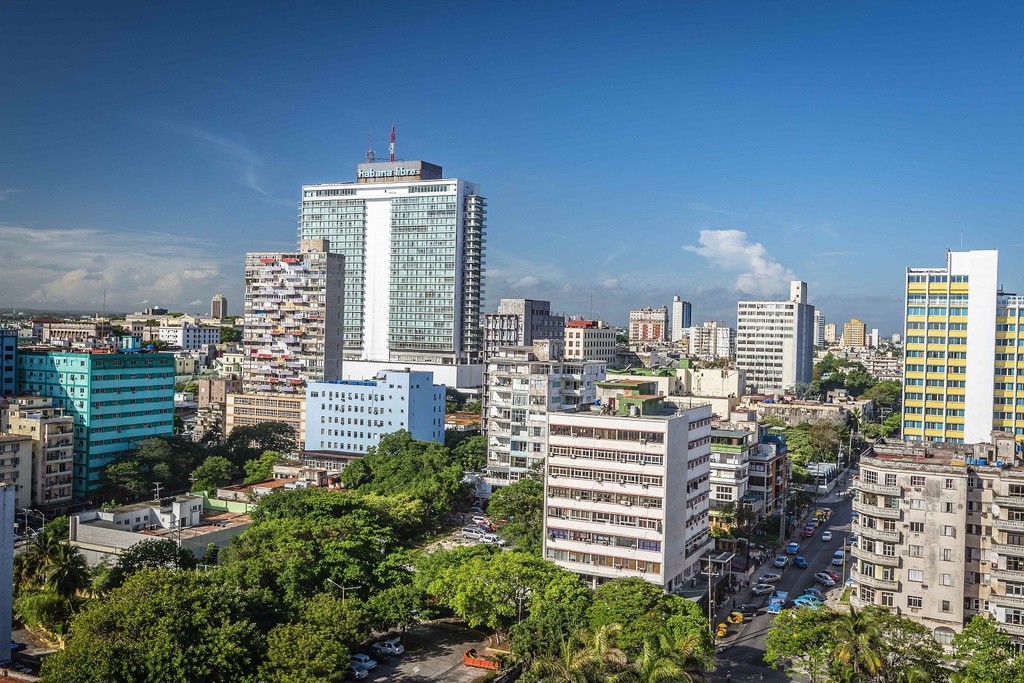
{"x": 743, "y": 651}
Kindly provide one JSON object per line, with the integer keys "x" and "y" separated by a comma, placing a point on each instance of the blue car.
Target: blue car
{"x": 807, "y": 601}
{"x": 793, "y": 548}
{"x": 815, "y": 593}
{"x": 799, "y": 562}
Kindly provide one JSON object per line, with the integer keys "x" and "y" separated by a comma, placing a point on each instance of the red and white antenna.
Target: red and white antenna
{"x": 369, "y": 149}
{"x": 392, "y": 147}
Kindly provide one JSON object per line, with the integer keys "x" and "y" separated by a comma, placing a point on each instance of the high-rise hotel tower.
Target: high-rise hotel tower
{"x": 963, "y": 373}
{"x": 413, "y": 243}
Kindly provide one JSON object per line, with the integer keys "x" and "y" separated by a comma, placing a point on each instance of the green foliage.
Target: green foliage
{"x": 150, "y": 554}
{"x": 399, "y": 464}
{"x": 43, "y": 609}
{"x": 471, "y": 453}
{"x": 454, "y": 400}
{"x": 58, "y": 527}
{"x": 643, "y": 609}
{"x": 249, "y": 442}
{"x": 521, "y": 504}
{"x": 261, "y": 468}
{"x": 215, "y": 472}
{"x": 66, "y": 572}
{"x": 167, "y": 460}
{"x": 230, "y": 334}
{"x": 553, "y": 615}
{"x": 986, "y": 653}
{"x": 800, "y": 641}
{"x": 396, "y": 606}
{"x": 886, "y": 394}
{"x": 165, "y": 626}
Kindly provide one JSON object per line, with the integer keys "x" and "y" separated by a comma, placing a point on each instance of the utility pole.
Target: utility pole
{"x": 343, "y": 589}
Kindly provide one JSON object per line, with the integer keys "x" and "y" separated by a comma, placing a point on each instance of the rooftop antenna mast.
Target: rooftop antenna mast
{"x": 369, "y": 149}
{"x": 392, "y": 147}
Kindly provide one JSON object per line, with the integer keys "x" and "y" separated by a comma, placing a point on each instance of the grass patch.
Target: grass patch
{"x": 845, "y": 598}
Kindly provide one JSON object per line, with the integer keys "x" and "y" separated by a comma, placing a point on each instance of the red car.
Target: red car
{"x": 835, "y": 577}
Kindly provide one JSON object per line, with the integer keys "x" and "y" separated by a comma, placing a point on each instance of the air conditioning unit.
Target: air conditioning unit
{"x": 627, "y": 503}
{"x": 604, "y": 542}
{"x": 572, "y": 455}
{"x": 578, "y": 497}
{"x": 572, "y": 557}
{"x": 618, "y": 566}
{"x": 642, "y": 570}
{"x": 622, "y": 480}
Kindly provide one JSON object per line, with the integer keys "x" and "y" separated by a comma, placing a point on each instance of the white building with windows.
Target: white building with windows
{"x": 189, "y": 337}
{"x": 413, "y": 243}
{"x": 589, "y": 340}
{"x": 775, "y": 341}
{"x": 713, "y": 340}
{"x": 351, "y": 416}
{"x": 524, "y": 384}
{"x": 626, "y": 491}
{"x": 682, "y": 313}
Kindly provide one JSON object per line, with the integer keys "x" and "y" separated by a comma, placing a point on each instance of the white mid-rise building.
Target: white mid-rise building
{"x": 775, "y": 341}
{"x": 713, "y": 340}
{"x": 589, "y": 340}
{"x": 520, "y": 322}
{"x": 413, "y": 243}
{"x": 682, "y": 312}
{"x": 627, "y": 491}
{"x": 190, "y": 337}
{"x": 649, "y": 324}
{"x": 819, "y": 328}
{"x": 523, "y": 385}
{"x": 351, "y": 416}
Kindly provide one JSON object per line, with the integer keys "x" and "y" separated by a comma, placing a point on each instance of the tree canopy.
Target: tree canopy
{"x": 518, "y": 509}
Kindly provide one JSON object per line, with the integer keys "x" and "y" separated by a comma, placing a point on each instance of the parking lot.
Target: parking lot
{"x": 433, "y": 653}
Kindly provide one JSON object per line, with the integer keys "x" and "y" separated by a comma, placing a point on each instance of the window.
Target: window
{"x": 950, "y": 484}
{"x": 915, "y": 551}
{"x": 917, "y": 480}
{"x": 948, "y": 530}
{"x": 915, "y": 575}
{"x": 887, "y": 600}
{"x": 947, "y": 579}
{"x": 947, "y": 507}
{"x": 914, "y": 601}
{"x": 917, "y": 504}
{"x": 947, "y": 554}
{"x": 943, "y": 635}
{"x": 917, "y": 527}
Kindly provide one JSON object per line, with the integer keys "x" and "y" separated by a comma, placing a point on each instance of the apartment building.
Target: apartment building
{"x": 941, "y": 533}
{"x": 219, "y": 307}
{"x": 962, "y": 372}
{"x": 47, "y": 330}
{"x": 819, "y": 328}
{"x": 413, "y": 243}
{"x": 520, "y": 322}
{"x": 16, "y": 466}
{"x": 247, "y": 409}
{"x": 350, "y": 416}
{"x": 293, "y": 318}
{"x": 713, "y": 340}
{"x": 589, "y": 340}
{"x": 8, "y": 360}
{"x": 649, "y": 325}
{"x": 831, "y": 333}
{"x": 189, "y": 337}
{"x": 51, "y": 455}
{"x": 626, "y": 491}
{"x": 730, "y": 475}
{"x": 117, "y": 398}
{"x": 854, "y": 333}
{"x": 524, "y": 384}
{"x": 682, "y": 315}
{"x": 775, "y": 341}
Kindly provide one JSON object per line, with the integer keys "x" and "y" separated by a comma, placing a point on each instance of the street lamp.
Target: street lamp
{"x": 29, "y": 511}
{"x": 710, "y": 575}
{"x": 343, "y": 589}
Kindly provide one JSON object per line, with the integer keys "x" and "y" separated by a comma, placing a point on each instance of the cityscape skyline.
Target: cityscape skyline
{"x": 823, "y": 145}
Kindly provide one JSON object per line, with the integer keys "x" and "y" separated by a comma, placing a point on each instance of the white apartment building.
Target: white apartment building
{"x": 524, "y": 384}
{"x": 589, "y": 340}
{"x": 293, "y": 318}
{"x": 51, "y": 457}
{"x": 189, "y": 337}
{"x": 941, "y": 533}
{"x": 16, "y": 466}
{"x": 413, "y": 243}
{"x": 713, "y": 340}
{"x": 520, "y": 322}
{"x": 682, "y": 313}
{"x": 649, "y": 324}
{"x": 819, "y": 328}
{"x": 626, "y": 495}
{"x": 775, "y": 341}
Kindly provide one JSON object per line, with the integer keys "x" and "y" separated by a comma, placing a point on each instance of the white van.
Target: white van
{"x": 472, "y": 533}
{"x": 493, "y": 539}
{"x": 837, "y": 558}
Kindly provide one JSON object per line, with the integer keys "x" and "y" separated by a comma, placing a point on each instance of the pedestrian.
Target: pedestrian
{"x": 734, "y": 603}
{"x": 728, "y": 677}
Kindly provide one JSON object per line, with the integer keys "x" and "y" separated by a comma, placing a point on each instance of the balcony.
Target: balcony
{"x": 1009, "y": 524}
{"x": 1007, "y": 574}
{"x": 1015, "y": 600}
{"x": 876, "y": 558}
{"x": 1011, "y": 501}
{"x": 875, "y": 511}
{"x": 878, "y": 534}
{"x": 1015, "y": 629}
{"x": 872, "y": 582}
{"x": 880, "y": 489}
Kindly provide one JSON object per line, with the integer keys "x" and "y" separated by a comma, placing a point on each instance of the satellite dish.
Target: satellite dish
{"x": 995, "y": 510}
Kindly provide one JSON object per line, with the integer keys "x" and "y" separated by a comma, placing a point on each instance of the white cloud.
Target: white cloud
{"x": 71, "y": 268}
{"x": 759, "y": 272}
{"x": 610, "y": 283}
{"x": 524, "y": 282}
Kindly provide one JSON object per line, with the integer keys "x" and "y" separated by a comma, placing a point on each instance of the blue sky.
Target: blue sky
{"x": 628, "y": 152}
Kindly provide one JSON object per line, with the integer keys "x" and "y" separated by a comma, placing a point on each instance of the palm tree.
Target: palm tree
{"x": 572, "y": 664}
{"x": 601, "y": 643}
{"x": 914, "y": 674}
{"x": 859, "y": 641}
{"x": 854, "y": 419}
{"x": 849, "y": 675}
{"x": 67, "y": 574}
{"x": 662, "y": 661}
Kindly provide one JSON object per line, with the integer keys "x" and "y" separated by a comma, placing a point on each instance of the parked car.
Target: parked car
{"x": 391, "y": 646}
{"x": 824, "y": 579}
{"x": 762, "y": 588}
{"x": 793, "y": 548}
{"x": 363, "y": 661}
{"x": 480, "y": 519}
{"x": 355, "y": 672}
{"x": 807, "y": 601}
{"x": 770, "y": 578}
{"x": 493, "y": 539}
{"x": 749, "y": 609}
{"x": 832, "y": 574}
{"x": 472, "y": 533}
{"x": 777, "y": 602}
{"x": 781, "y": 561}
{"x": 808, "y": 531}
{"x": 852, "y": 540}
{"x": 826, "y": 536}
{"x": 815, "y": 593}
{"x": 799, "y": 562}
{"x": 838, "y": 558}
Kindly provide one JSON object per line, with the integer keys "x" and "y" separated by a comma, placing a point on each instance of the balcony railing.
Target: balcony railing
{"x": 1015, "y": 629}
{"x": 1009, "y": 524}
{"x": 880, "y": 489}
{"x": 1015, "y": 600}
{"x": 1012, "y": 501}
{"x": 872, "y": 582}
{"x": 878, "y": 534}
{"x": 1007, "y": 574}
{"x": 876, "y": 511}
{"x": 876, "y": 558}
